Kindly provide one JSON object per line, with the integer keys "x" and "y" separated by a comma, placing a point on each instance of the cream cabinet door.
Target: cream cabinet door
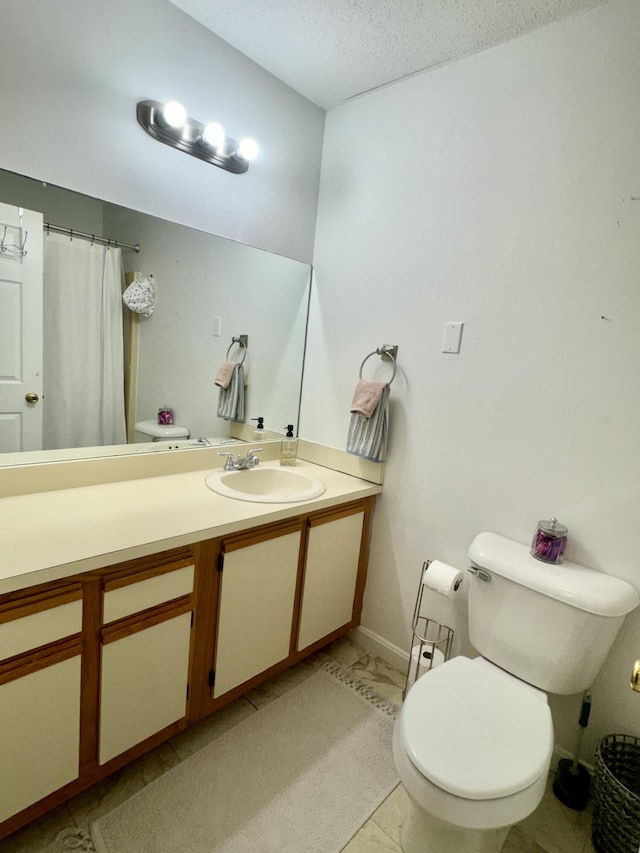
{"x": 330, "y": 576}
{"x": 40, "y": 686}
{"x": 40, "y": 734}
{"x": 144, "y": 678}
{"x": 256, "y": 605}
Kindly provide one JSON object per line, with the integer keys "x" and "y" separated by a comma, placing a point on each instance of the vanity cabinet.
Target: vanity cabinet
{"x": 256, "y": 604}
{"x": 100, "y": 668}
{"x": 330, "y": 574}
{"x": 145, "y": 648}
{"x": 40, "y": 686}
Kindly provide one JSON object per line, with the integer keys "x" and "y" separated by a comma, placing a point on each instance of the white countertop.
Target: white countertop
{"x": 55, "y": 534}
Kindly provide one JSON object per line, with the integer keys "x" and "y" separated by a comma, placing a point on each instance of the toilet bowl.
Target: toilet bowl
{"x": 473, "y": 741}
{"x": 472, "y": 746}
{"x": 153, "y": 431}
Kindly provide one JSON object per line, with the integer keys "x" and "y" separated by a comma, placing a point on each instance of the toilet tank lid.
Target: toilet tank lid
{"x": 162, "y": 430}
{"x": 577, "y": 586}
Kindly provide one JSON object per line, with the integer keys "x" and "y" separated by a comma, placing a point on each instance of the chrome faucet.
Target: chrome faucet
{"x": 241, "y": 463}
{"x": 200, "y": 442}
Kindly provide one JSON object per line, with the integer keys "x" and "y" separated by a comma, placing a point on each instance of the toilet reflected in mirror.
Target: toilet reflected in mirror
{"x": 153, "y": 431}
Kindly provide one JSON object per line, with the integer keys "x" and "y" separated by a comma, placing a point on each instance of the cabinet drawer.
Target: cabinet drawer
{"x": 140, "y": 595}
{"x": 28, "y": 632}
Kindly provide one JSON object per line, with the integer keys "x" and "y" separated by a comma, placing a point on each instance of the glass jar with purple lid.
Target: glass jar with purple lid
{"x": 549, "y": 541}
{"x": 165, "y": 415}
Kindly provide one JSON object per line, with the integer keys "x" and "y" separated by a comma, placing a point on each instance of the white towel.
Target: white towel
{"x": 368, "y": 436}
{"x": 231, "y": 398}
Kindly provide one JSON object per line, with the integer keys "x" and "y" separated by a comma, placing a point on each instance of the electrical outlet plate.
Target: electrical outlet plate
{"x": 452, "y": 337}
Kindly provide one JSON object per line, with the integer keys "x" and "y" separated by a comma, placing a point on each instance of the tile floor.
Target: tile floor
{"x": 552, "y": 828}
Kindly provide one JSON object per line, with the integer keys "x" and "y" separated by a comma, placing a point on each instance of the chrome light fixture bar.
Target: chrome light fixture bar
{"x": 186, "y": 134}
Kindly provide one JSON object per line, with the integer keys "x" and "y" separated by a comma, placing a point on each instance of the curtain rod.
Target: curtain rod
{"x": 102, "y": 241}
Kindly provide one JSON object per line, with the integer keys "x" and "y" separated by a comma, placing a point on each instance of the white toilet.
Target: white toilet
{"x": 153, "y": 431}
{"x": 473, "y": 741}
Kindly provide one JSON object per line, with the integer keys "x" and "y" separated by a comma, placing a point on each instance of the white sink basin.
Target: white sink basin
{"x": 266, "y": 485}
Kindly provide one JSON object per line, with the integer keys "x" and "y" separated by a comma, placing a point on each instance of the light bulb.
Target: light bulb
{"x": 213, "y": 134}
{"x": 248, "y": 149}
{"x": 174, "y": 114}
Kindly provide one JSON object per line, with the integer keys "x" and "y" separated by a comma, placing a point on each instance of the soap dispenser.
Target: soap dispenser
{"x": 258, "y": 433}
{"x": 289, "y": 448}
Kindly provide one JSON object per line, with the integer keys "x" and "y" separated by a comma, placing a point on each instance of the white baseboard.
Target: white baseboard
{"x": 377, "y": 645}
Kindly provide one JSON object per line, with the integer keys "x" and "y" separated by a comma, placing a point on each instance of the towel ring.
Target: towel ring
{"x": 386, "y": 353}
{"x": 243, "y": 346}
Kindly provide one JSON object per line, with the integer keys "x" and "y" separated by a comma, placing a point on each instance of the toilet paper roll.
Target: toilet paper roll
{"x": 423, "y": 658}
{"x": 442, "y": 578}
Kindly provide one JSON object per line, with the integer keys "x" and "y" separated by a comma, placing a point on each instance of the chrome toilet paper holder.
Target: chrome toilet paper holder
{"x": 431, "y": 641}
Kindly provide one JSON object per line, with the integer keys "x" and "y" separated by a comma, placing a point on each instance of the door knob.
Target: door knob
{"x": 31, "y": 397}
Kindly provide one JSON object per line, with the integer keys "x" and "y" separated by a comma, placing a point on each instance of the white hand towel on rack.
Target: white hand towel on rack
{"x": 367, "y": 437}
{"x": 231, "y": 398}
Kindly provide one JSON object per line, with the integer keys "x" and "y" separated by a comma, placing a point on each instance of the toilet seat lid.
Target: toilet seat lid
{"x": 162, "y": 430}
{"x": 475, "y": 733}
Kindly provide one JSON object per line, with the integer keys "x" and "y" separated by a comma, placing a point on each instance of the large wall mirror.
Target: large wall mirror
{"x": 208, "y": 290}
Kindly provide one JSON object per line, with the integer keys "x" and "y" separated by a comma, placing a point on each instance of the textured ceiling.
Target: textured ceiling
{"x": 332, "y": 50}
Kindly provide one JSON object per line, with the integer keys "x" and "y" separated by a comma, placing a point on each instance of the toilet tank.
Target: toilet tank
{"x": 153, "y": 431}
{"x": 550, "y": 625}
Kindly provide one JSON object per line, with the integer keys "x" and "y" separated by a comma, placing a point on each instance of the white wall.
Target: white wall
{"x": 198, "y": 277}
{"x": 58, "y": 206}
{"x": 495, "y": 191}
{"x": 73, "y": 72}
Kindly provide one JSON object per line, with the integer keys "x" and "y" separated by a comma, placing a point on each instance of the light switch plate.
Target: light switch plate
{"x": 452, "y": 337}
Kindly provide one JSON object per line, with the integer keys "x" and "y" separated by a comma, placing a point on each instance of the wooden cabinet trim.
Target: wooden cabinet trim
{"x": 297, "y": 604}
{"x": 261, "y": 534}
{"x": 37, "y": 659}
{"x": 90, "y": 675}
{"x": 205, "y": 595}
{"x": 365, "y": 545}
{"x": 328, "y": 515}
{"x": 16, "y": 607}
{"x": 146, "y": 619}
{"x": 127, "y": 577}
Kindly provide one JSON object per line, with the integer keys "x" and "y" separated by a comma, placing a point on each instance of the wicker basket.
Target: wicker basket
{"x": 616, "y": 815}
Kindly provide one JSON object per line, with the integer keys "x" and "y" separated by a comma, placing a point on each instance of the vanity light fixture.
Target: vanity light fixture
{"x": 174, "y": 115}
{"x": 169, "y": 123}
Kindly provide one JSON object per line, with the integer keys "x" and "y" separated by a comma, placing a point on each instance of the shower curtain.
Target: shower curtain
{"x": 83, "y": 347}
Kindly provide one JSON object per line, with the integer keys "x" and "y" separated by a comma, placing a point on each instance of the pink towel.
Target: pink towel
{"x": 366, "y": 397}
{"x": 223, "y": 376}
